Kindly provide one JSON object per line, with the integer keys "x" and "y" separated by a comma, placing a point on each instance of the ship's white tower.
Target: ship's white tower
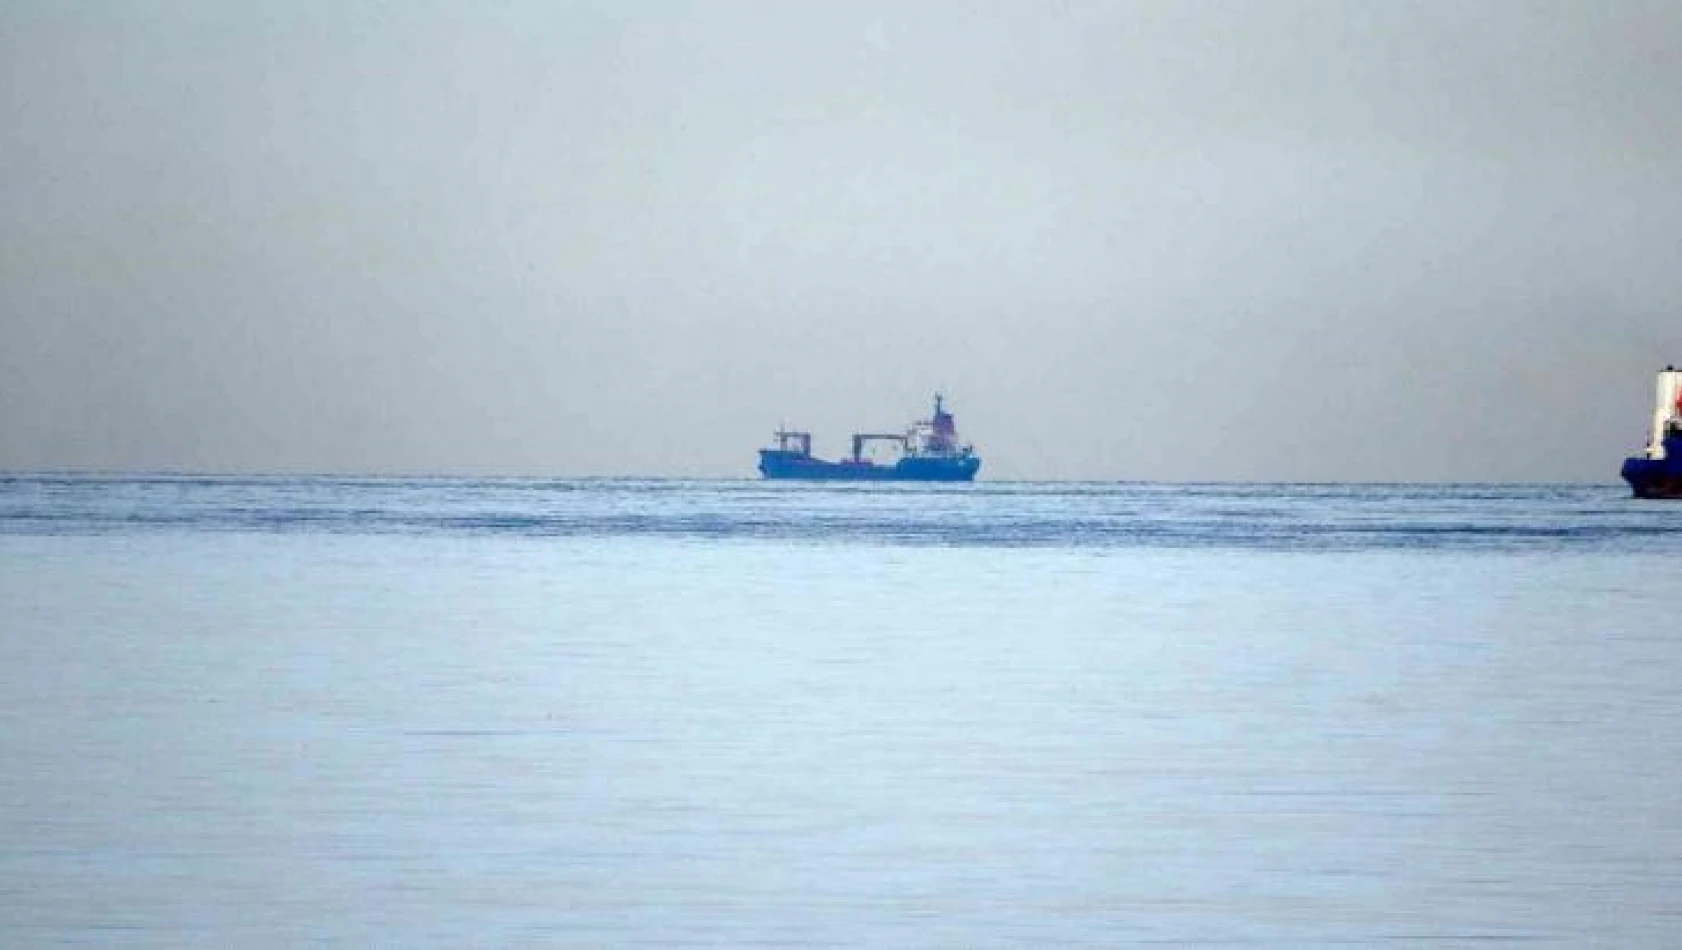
{"x": 1665, "y": 409}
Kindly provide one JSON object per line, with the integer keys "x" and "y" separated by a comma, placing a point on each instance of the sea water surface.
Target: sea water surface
{"x": 619, "y": 713}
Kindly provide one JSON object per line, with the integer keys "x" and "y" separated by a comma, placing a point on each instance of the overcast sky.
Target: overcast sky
{"x": 1284, "y": 240}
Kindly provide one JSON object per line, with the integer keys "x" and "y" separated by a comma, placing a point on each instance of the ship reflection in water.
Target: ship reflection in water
{"x": 929, "y": 451}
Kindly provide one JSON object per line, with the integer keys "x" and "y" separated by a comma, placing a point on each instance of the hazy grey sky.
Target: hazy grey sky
{"x": 1285, "y": 240}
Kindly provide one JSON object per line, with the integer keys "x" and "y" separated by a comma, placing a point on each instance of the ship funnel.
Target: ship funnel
{"x": 1665, "y": 408}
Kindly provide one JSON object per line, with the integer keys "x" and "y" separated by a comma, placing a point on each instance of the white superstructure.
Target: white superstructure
{"x": 1665, "y": 409}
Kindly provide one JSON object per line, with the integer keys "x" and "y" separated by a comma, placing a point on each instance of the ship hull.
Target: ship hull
{"x": 1653, "y": 478}
{"x": 805, "y": 468}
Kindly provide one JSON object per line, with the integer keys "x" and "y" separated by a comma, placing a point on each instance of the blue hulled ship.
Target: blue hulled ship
{"x": 929, "y": 451}
{"x": 1658, "y": 472}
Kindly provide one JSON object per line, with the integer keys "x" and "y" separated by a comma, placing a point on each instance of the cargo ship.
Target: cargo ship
{"x": 928, "y": 451}
{"x": 1658, "y": 472}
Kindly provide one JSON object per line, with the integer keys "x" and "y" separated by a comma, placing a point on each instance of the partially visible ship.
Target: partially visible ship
{"x": 929, "y": 451}
{"x": 1658, "y": 472}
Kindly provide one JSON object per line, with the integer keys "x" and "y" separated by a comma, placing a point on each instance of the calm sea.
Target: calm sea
{"x": 614, "y": 713}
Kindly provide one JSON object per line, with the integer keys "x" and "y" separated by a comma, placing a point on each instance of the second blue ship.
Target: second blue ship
{"x": 929, "y": 451}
